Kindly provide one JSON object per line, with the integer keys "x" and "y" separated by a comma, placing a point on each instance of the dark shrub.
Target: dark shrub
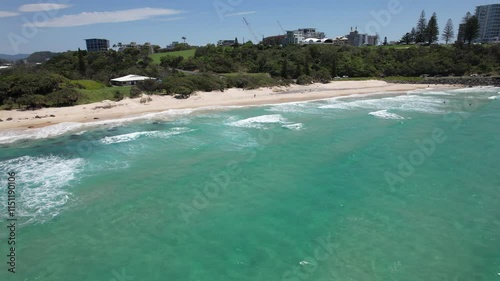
{"x": 135, "y": 92}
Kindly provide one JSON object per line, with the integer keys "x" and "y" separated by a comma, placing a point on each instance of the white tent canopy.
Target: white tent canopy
{"x": 129, "y": 79}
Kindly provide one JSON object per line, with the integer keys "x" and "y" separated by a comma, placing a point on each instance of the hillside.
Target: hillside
{"x": 13, "y": 57}
{"x": 186, "y": 54}
{"x": 39, "y": 57}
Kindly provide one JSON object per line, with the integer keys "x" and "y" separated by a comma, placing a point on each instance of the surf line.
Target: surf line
{"x": 11, "y": 220}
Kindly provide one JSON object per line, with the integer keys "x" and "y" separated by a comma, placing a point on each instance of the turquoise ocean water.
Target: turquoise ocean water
{"x": 380, "y": 187}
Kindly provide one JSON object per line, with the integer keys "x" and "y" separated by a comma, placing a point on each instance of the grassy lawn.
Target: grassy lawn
{"x": 88, "y": 84}
{"x": 106, "y": 93}
{"x": 186, "y": 54}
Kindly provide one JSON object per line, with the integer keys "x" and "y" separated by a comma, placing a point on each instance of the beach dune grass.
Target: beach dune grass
{"x": 186, "y": 54}
{"x": 106, "y": 93}
{"x": 88, "y": 84}
{"x": 402, "y": 79}
{"x": 249, "y": 80}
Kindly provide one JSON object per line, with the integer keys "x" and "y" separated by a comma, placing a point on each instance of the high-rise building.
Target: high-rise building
{"x": 461, "y": 33}
{"x": 274, "y": 40}
{"x": 97, "y": 45}
{"x": 489, "y": 23}
{"x": 359, "y": 39}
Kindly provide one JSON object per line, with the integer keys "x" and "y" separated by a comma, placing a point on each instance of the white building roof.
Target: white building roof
{"x": 130, "y": 78}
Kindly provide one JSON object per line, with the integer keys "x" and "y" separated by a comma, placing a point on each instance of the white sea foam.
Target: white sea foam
{"x": 148, "y": 134}
{"x": 294, "y": 127}
{"x": 481, "y": 89}
{"x": 40, "y": 133}
{"x": 80, "y": 133}
{"x": 493, "y": 98}
{"x": 43, "y": 185}
{"x": 384, "y": 114}
{"x": 412, "y": 103}
{"x": 236, "y": 140}
{"x": 438, "y": 93}
{"x": 68, "y": 127}
{"x": 295, "y": 107}
{"x": 127, "y": 137}
{"x": 107, "y": 166}
{"x": 259, "y": 121}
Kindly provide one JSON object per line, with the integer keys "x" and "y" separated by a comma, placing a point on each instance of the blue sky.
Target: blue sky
{"x": 60, "y": 25}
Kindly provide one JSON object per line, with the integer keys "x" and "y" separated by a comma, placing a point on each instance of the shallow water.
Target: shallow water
{"x": 384, "y": 187}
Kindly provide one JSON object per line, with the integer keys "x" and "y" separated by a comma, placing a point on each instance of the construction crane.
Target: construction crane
{"x": 284, "y": 32}
{"x": 250, "y": 28}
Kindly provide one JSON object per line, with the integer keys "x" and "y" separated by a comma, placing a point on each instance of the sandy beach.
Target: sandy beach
{"x": 108, "y": 110}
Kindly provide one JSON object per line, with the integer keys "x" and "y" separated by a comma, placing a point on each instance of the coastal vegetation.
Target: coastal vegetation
{"x": 77, "y": 77}
{"x": 185, "y": 54}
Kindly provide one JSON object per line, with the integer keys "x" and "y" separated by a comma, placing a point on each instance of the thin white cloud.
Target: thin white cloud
{"x": 172, "y": 19}
{"x": 5, "y": 14}
{"x": 40, "y": 7}
{"x": 241, "y": 13}
{"x": 89, "y": 18}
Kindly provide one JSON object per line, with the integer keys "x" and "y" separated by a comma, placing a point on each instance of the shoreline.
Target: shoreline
{"x": 132, "y": 108}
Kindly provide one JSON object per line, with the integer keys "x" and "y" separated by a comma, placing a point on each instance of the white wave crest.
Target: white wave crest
{"x": 257, "y": 122}
{"x": 479, "y": 89}
{"x": 39, "y": 133}
{"x": 294, "y": 127}
{"x": 295, "y": 107}
{"x": 43, "y": 185}
{"x": 410, "y": 103}
{"x": 74, "y": 127}
{"x": 384, "y": 114}
{"x": 149, "y": 134}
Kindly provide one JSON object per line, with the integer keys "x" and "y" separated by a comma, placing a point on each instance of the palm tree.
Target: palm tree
{"x": 184, "y": 38}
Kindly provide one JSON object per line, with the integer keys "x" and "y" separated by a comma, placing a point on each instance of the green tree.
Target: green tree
{"x": 284, "y": 69}
{"x": 413, "y": 35}
{"x": 334, "y": 72}
{"x": 118, "y": 96}
{"x": 421, "y": 28}
{"x": 82, "y": 68}
{"x": 298, "y": 70}
{"x": 448, "y": 32}
{"x": 432, "y": 30}
{"x": 32, "y": 101}
{"x": 64, "y": 97}
{"x": 471, "y": 31}
{"x": 406, "y": 38}
{"x": 171, "y": 61}
{"x": 135, "y": 92}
